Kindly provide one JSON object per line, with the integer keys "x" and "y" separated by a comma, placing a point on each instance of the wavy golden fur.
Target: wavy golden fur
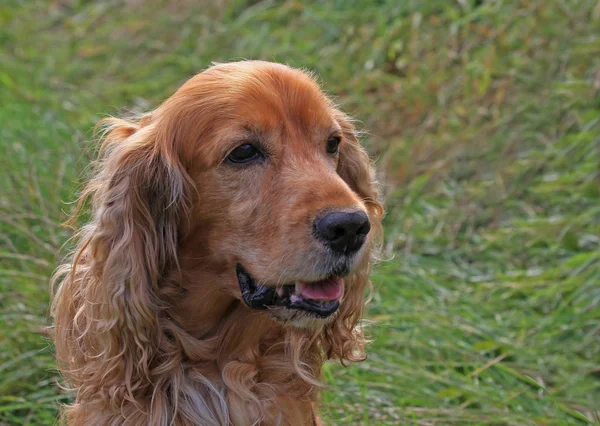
{"x": 150, "y": 328}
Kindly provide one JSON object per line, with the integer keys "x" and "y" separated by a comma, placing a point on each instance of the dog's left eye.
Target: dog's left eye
{"x": 332, "y": 144}
{"x": 244, "y": 154}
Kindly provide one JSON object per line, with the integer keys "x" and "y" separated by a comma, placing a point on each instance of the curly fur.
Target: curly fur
{"x": 148, "y": 328}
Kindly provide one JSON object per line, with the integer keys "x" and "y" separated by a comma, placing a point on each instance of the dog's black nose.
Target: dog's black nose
{"x": 343, "y": 232}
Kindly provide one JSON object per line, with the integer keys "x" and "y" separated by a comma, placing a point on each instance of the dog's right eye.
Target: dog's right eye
{"x": 244, "y": 154}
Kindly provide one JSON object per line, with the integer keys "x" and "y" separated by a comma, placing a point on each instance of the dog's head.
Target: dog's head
{"x": 284, "y": 201}
{"x": 245, "y": 192}
{"x": 244, "y": 198}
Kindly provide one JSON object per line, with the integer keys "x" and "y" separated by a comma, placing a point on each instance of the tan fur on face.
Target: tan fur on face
{"x": 150, "y": 328}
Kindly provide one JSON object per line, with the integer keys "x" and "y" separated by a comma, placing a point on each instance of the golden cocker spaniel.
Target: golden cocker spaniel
{"x": 226, "y": 258}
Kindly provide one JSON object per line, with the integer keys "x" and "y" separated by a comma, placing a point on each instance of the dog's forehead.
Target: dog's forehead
{"x": 234, "y": 101}
{"x": 284, "y": 99}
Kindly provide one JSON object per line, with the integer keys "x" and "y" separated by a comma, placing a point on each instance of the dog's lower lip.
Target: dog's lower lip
{"x": 263, "y": 297}
{"x": 255, "y": 296}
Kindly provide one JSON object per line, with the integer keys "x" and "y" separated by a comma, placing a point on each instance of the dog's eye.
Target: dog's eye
{"x": 332, "y": 144}
{"x": 244, "y": 154}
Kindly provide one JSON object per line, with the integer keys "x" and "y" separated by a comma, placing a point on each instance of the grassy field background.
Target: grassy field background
{"x": 484, "y": 118}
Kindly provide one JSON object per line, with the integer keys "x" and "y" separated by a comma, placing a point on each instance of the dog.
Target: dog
{"x": 226, "y": 257}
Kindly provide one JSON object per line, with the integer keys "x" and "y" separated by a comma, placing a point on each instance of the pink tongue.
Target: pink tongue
{"x": 329, "y": 289}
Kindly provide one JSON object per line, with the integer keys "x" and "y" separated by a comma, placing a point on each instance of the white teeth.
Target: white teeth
{"x": 298, "y": 289}
{"x": 280, "y": 291}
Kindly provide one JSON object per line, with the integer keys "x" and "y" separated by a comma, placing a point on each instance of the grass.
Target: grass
{"x": 485, "y": 120}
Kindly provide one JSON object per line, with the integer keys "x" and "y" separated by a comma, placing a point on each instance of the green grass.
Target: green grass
{"x": 485, "y": 119}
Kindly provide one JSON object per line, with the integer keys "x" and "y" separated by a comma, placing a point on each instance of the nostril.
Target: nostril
{"x": 364, "y": 229}
{"x": 338, "y": 233}
{"x": 327, "y": 231}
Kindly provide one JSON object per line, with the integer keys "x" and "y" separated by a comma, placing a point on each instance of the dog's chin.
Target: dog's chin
{"x": 298, "y": 319}
{"x": 300, "y": 304}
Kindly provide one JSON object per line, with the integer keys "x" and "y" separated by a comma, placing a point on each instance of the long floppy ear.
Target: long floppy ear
{"x": 356, "y": 168}
{"x": 106, "y": 308}
{"x": 342, "y": 339}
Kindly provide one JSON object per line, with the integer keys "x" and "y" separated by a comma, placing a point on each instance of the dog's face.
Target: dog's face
{"x": 273, "y": 214}
{"x": 244, "y": 197}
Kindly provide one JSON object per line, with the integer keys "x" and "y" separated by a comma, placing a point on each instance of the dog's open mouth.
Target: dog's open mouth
{"x": 320, "y": 298}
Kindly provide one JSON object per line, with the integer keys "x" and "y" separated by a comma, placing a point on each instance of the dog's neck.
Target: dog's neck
{"x": 238, "y": 341}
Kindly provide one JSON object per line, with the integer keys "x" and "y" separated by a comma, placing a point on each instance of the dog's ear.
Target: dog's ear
{"x": 106, "y": 308}
{"x": 356, "y": 169}
{"x": 341, "y": 337}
